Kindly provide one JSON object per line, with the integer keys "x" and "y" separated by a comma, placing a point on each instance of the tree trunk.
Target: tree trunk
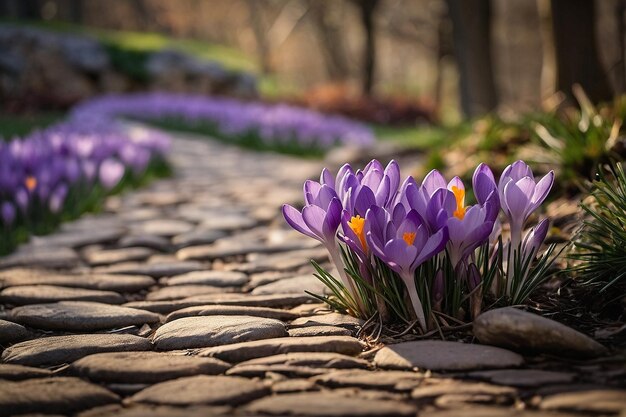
{"x": 577, "y": 59}
{"x": 471, "y": 31}
{"x": 367, "y": 9}
{"x": 260, "y": 36}
{"x": 331, "y": 42}
{"x": 76, "y": 11}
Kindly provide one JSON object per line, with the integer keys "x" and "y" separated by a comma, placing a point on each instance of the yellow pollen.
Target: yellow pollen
{"x": 459, "y": 195}
{"x": 30, "y": 183}
{"x": 409, "y": 237}
{"x": 357, "y": 224}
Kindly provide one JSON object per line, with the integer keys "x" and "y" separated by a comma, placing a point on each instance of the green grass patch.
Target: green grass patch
{"x": 12, "y": 125}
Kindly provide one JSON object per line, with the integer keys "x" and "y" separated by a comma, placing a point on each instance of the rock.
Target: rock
{"x": 319, "y": 331}
{"x": 220, "y": 250}
{"x": 42, "y": 257}
{"x": 80, "y": 316}
{"x": 145, "y": 241}
{"x": 295, "y": 285}
{"x": 197, "y": 237}
{"x": 117, "y": 283}
{"x": 18, "y": 372}
{"x": 162, "y": 227}
{"x": 332, "y": 319}
{"x": 56, "y": 350}
{"x": 245, "y": 351}
{"x": 12, "y": 332}
{"x": 228, "y": 222}
{"x": 156, "y": 270}
{"x": 526, "y": 332}
{"x": 114, "y": 256}
{"x": 54, "y": 395}
{"x": 202, "y": 389}
{"x": 81, "y": 236}
{"x": 359, "y": 378}
{"x": 438, "y": 388}
{"x": 293, "y": 385}
{"x": 146, "y": 410}
{"x": 219, "y": 310}
{"x": 328, "y": 404}
{"x": 206, "y": 331}
{"x": 596, "y": 401}
{"x": 144, "y": 367}
{"x": 445, "y": 356}
{"x": 213, "y": 278}
{"x": 524, "y": 378}
{"x": 178, "y": 292}
{"x": 261, "y": 371}
{"x": 311, "y": 359}
{"x": 35, "y": 294}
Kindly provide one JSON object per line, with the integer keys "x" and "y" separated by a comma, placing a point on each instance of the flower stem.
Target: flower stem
{"x": 409, "y": 281}
{"x": 348, "y": 283}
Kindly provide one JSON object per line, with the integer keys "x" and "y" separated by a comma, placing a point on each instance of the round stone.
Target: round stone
{"x": 311, "y": 359}
{"x": 439, "y": 355}
{"x": 54, "y": 395}
{"x": 144, "y": 367}
{"x": 55, "y": 350}
{"x": 524, "y": 378}
{"x": 213, "y": 278}
{"x": 80, "y": 316}
{"x": 519, "y": 330}
{"x": 12, "y": 332}
{"x": 36, "y": 294}
{"x": 206, "y": 331}
{"x": 182, "y": 291}
{"x": 202, "y": 389}
{"x": 219, "y": 310}
{"x": 329, "y": 404}
{"x": 19, "y": 372}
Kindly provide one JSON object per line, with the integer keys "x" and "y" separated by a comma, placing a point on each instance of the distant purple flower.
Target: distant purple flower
{"x": 110, "y": 173}
{"x": 7, "y": 212}
{"x": 57, "y": 198}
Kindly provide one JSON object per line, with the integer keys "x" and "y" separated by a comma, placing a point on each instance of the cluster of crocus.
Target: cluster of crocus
{"x": 447, "y": 255}
{"x": 66, "y": 169}
{"x": 272, "y": 124}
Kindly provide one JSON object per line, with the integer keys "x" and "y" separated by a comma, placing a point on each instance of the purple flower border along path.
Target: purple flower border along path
{"x": 186, "y": 298}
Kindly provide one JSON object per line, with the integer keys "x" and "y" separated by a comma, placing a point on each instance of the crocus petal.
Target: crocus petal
{"x": 294, "y": 218}
{"x": 326, "y": 178}
{"x": 435, "y": 244}
{"x": 483, "y": 183}
{"x": 363, "y": 201}
{"x": 516, "y": 202}
{"x": 314, "y": 216}
{"x": 433, "y": 181}
{"x": 332, "y": 220}
{"x": 542, "y": 189}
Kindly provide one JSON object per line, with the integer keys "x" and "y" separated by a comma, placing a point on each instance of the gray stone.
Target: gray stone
{"x": 202, "y": 389}
{"x": 219, "y": 310}
{"x": 319, "y": 331}
{"x": 228, "y": 222}
{"x": 526, "y": 332}
{"x": 213, "y": 278}
{"x": 162, "y": 227}
{"x": 144, "y": 367}
{"x": 220, "y": 250}
{"x": 156, "y": 270}
{"x": 328, "y": 404}
{"x": 293, "y": 385}
{"x": 19, "y": 372}
{"x": 159, "y": 243}
{"x": 524, "y": 378}
{"x": 485, "y": 411}
{"x": 81, "y": 236}
{"x": 331, "y": 319}
{"x": 41, "y": 257}
{"x": 596, "y": 401}
{"x": 80, "y": 316}
{"x": 284, "y": 261}
{"x": 56, "y": 350}
{"x": 436, "y": 388}
{"x": 114, "y": 256}
{"x": 178, "y": 292}
{"x": 445, "y": 356}
{"x": 311, "y": 359}
{"x": 54, "y": 395}
{"x": 197, "y": 237}
{"x": 206, "y": 331}
{"x": 117, "y": 283}
{"x": 381, "y": 380}
{"x": 12, "y": 332}
{"x": 261, "y": 371}
{"x": 34, "y": 294}
{"x": 295, "y": 285}
{"x": 245, "y": 351}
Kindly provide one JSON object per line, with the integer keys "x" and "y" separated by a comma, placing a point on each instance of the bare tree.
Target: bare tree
{"x": 255, "y": 9}
{"x": 577, "y": 58}
{"x": 367, "y": 10}
{"x": 471, "y": 31}
{"x": 331, "y": 40}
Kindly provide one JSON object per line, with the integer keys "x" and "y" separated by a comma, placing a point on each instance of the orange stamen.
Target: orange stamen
{"x": 30, "y": 183}
{"x": 459, "y": 195}
{"x": 357, "y": 224}
{"x": 409, "y": 237}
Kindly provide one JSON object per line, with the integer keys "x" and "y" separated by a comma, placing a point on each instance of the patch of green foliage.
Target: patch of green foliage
{"x": 12, "y": 125}
{"x": 600, "y": 247}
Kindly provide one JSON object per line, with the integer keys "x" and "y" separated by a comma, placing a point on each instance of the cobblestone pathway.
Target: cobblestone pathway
{"x": 186, "y": 298}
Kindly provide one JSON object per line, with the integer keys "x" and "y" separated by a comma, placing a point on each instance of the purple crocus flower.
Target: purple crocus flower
{"x": 110, "y": 173}
{"x": 484, "y": 183}
{"x": 7, "y": 212}
{"x": 403, "y": 246}
{"x": 57, "y": 198}
{"x": 534, "y": 239}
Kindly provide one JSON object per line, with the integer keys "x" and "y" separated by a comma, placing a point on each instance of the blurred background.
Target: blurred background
{"x": 398, "y": 62}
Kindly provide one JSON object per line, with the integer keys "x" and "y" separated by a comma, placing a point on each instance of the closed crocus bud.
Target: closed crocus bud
{"x": 111, "y": 173}
{"x": 7, "y": 213}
